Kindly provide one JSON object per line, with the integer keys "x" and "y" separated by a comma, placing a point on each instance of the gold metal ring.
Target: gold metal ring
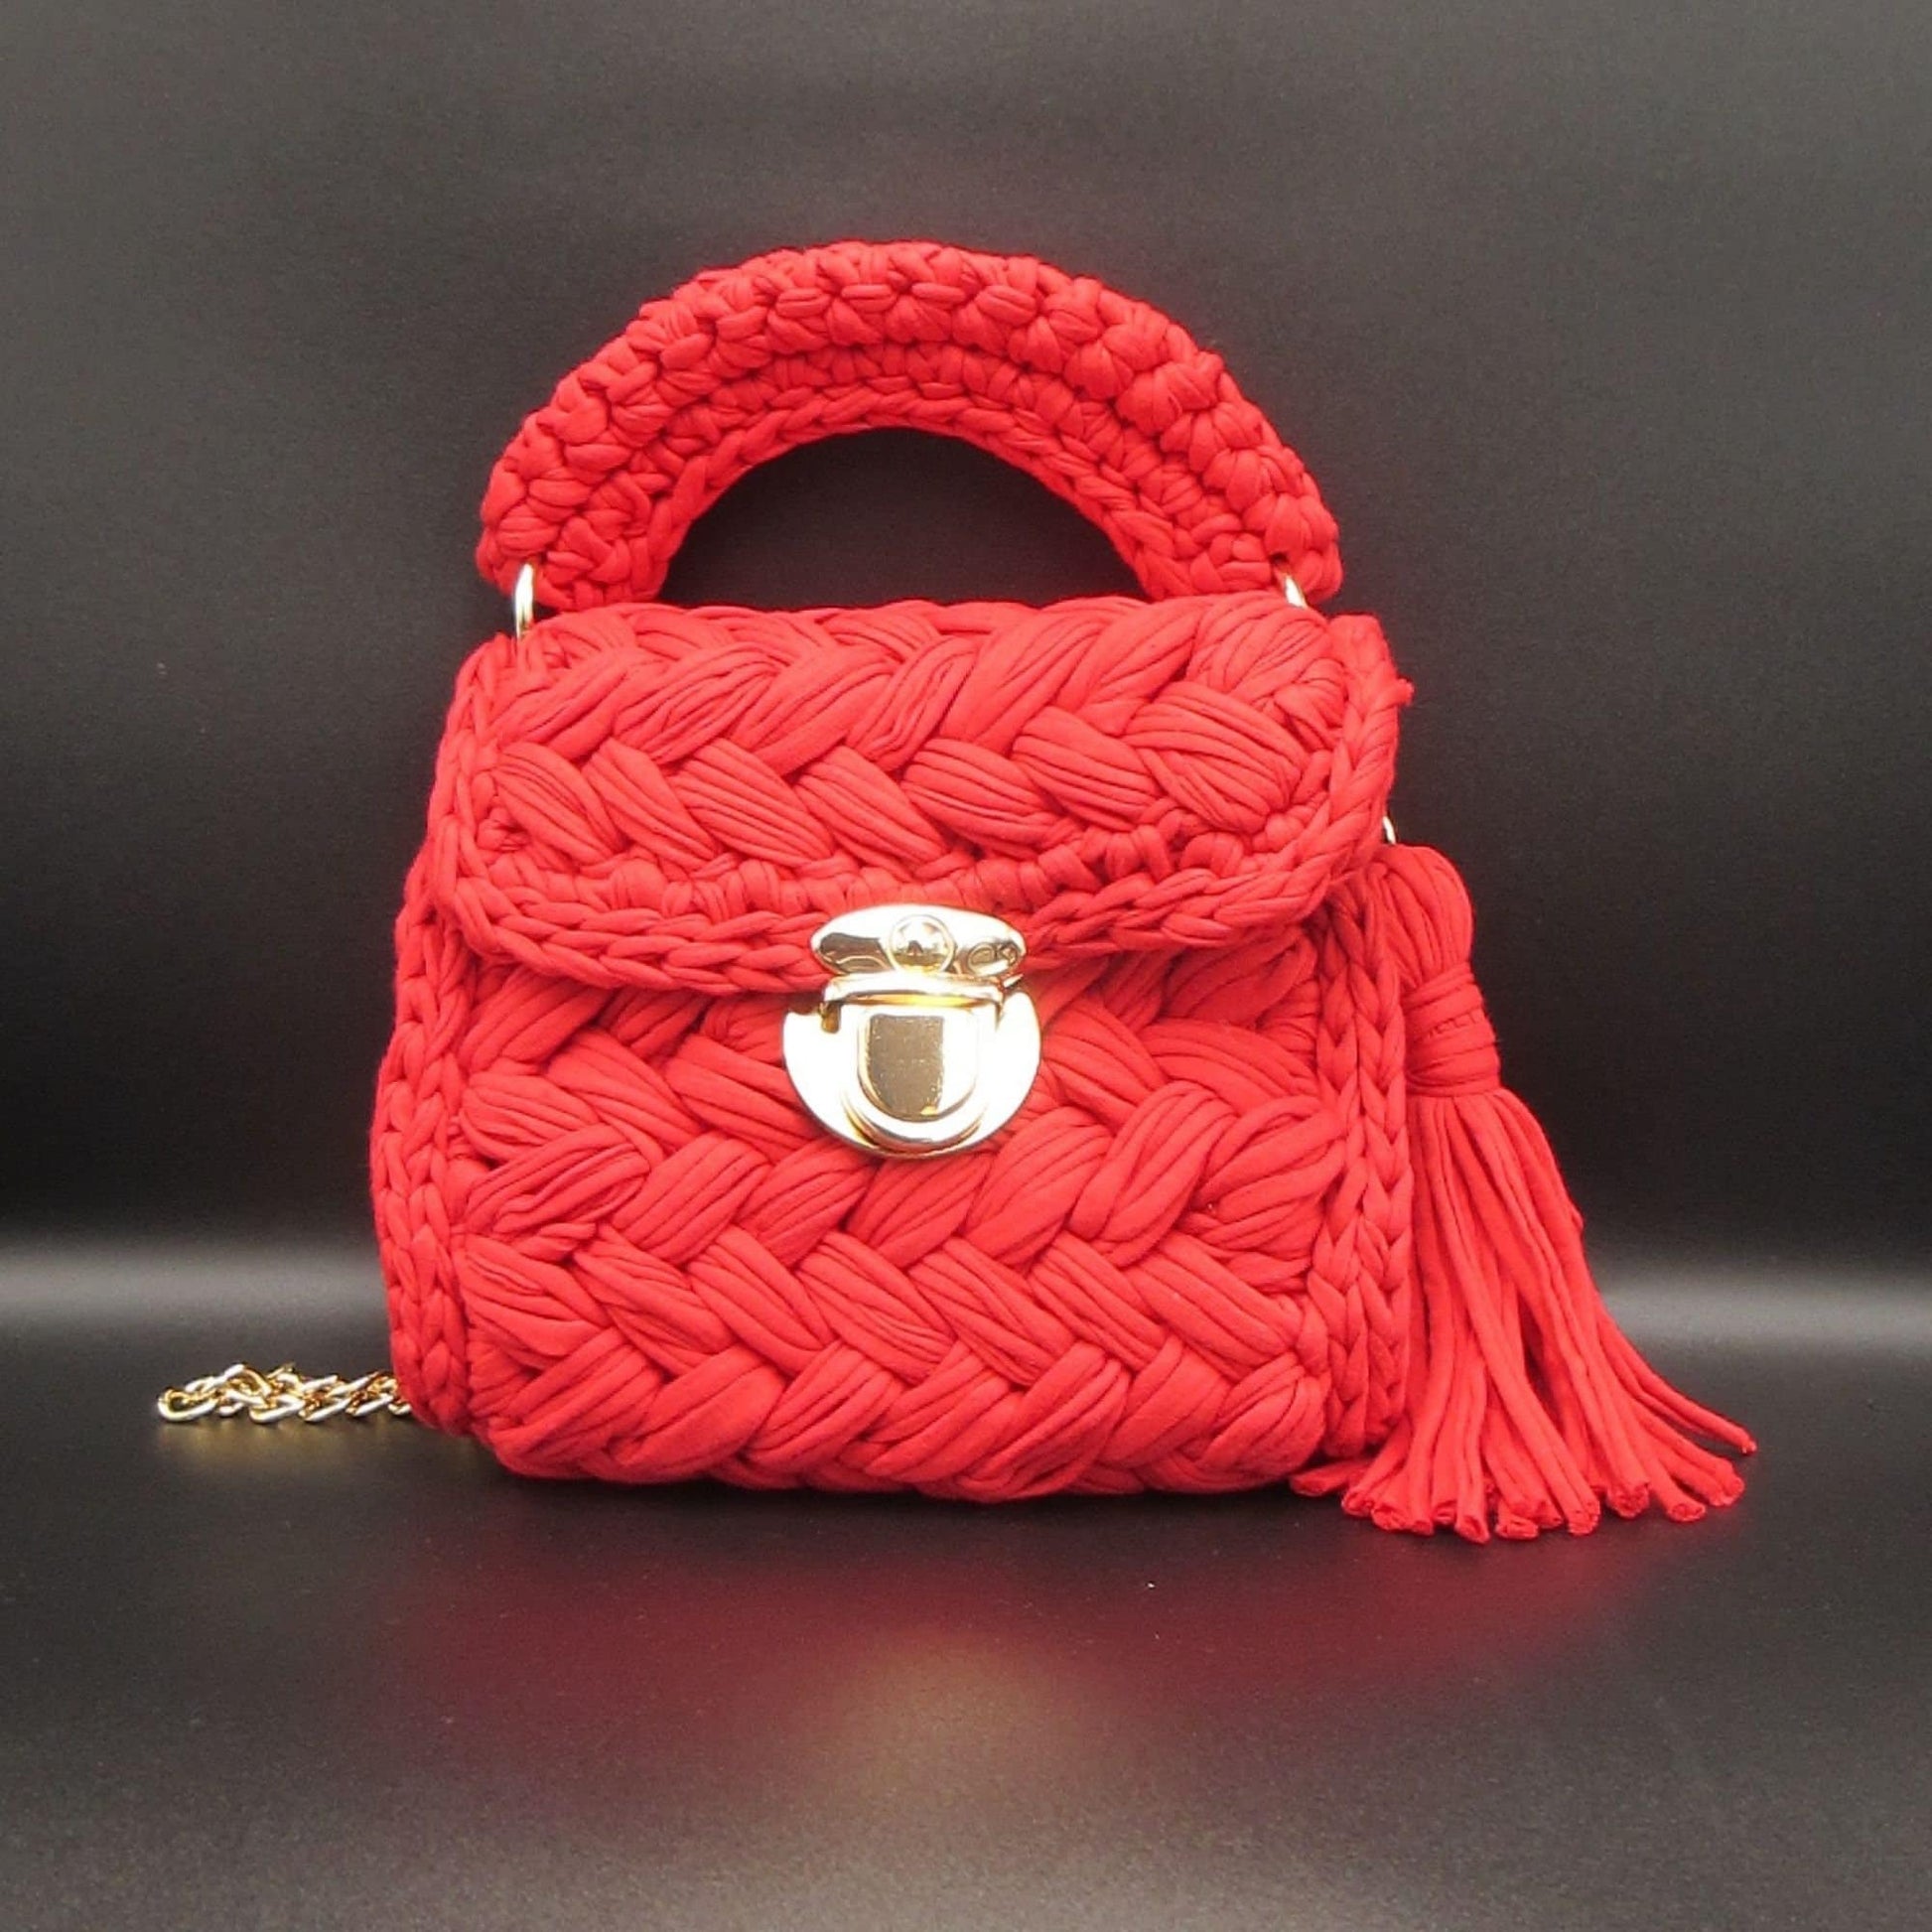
{"x": 523, "y": 600}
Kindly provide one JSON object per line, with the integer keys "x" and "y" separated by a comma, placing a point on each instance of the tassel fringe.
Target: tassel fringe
{"x": 1527, "y": 1408}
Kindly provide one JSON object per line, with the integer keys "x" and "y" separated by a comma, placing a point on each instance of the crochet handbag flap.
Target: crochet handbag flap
{"x": 647, "y": 796}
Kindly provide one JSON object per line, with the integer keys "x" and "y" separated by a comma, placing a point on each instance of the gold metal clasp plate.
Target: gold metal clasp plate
{"x": 923, "y": 1042}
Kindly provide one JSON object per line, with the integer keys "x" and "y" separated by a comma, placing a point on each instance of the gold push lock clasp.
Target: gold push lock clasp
{"x": 923, "y": 1042}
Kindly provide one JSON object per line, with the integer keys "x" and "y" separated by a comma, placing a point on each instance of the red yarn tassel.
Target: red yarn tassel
{"x": 1526, "y": 1408}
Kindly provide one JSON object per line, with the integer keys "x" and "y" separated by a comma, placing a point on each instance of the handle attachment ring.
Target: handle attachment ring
{"x": 523, "y": 600}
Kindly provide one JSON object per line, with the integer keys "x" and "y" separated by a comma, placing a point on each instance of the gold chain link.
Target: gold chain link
{"x": 282, "y": 1395}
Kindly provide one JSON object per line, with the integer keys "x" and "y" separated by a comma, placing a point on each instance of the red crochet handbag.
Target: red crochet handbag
{"x": 970, "y": 1048}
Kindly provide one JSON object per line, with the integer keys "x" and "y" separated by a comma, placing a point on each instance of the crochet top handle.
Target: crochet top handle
{"x": 1104, "y": 399}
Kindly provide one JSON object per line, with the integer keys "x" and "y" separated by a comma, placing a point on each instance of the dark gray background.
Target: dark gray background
{"x": 1608, "y": 331}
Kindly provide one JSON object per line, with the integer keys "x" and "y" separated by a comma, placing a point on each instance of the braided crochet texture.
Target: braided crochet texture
{"x": 1205, "y": 1254}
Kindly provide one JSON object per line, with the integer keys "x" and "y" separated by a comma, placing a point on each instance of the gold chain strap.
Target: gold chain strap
{"x": 282, "y": 1395}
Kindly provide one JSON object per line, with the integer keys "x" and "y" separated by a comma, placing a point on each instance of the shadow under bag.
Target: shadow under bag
{"x": 968, "y": 1047}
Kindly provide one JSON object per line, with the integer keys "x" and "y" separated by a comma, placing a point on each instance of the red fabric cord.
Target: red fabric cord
{"x": 1268, "y": 1212}
{"x": 1102, "y": 398}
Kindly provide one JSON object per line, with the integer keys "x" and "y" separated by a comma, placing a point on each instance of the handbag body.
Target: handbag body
{"x": 974, "y": 1048}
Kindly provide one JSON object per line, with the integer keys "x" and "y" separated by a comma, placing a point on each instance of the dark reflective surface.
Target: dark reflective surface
{"x": 357, "y": 1675}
